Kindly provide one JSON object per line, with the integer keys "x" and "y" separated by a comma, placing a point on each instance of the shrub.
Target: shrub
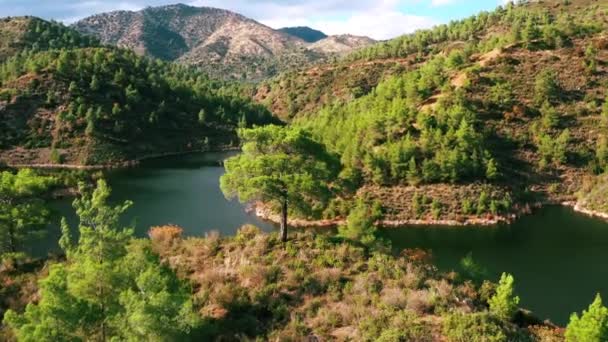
{"x": 478, "y": 327}
{"x": 165, "y": 236}
{"x": 546, "y": 87}
{"x": 419, "y": 301}
{"x": 504, "y": 304}
{"x": 361, "y": 222}
{"x": 247, "y": 233}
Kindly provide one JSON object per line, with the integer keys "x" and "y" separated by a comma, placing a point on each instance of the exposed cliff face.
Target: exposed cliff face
{"x": 223, "y": 43}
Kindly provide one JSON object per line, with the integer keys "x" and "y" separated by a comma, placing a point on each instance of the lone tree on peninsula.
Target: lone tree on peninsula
{"x": 282, "y": 167}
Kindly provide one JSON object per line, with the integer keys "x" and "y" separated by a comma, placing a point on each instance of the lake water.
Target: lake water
{"x": 556, "y": 255}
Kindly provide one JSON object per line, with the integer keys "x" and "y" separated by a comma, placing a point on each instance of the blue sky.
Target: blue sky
{"x": 379, "y": 19}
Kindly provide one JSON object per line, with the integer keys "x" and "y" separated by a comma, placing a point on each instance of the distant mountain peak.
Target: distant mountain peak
{"x": 305, "y": 33}
{"x": 223, "y": 43}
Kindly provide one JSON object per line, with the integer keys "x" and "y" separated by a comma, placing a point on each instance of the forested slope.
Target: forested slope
{"x": 101, "y": 105}
{"x": 481, "y": 117}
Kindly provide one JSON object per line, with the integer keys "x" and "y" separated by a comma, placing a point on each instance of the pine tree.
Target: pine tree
{"x": 110, "y": 288}
{"x": 549, "y": 116}
{"x": 530, "y": 32}
{"x": 591, "y": 326}
{"x": 23, "y": 212}
{"x": 94, "y": 85}
{"x": 590, "y": 62}
{"x": 504, "y": 303}
{"x": 546, "y": 87}
{"x": 491, "y": 169}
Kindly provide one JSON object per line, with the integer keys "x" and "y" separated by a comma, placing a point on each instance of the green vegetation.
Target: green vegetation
{"x": 24, "y": 35}
{"x": 113, "y": 286}
{"x": 113, "y": 105}
{"x": 385, "y": 137}
{"x": 110, "y": 287}
{"x": 69, "y": 101}
{"x": 473, "y": 114}
{"x": 361, "y": 222}
{"x": 591, "y": 326}
{"x": 467, "y": 123}
{"x": 23, "y": 211}
{"x": 283, "y": 167}
{"x": 504, "y": 303}
{"x": 534, "y": 25}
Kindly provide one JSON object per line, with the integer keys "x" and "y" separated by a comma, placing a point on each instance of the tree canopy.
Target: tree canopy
{"x": 110, "y": 287}
{"x": 23, "y": 211}
{"x": 281, "y": 166}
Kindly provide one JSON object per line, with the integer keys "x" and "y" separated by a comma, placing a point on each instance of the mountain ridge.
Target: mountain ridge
{"x": 222, "y": 43}
{"x": 305, "y": 33}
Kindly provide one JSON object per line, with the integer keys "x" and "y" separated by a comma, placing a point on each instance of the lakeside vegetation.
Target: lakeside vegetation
{"x": 111, "y": 285}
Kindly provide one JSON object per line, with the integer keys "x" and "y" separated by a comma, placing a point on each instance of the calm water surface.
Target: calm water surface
{"x": 556, "y": 255}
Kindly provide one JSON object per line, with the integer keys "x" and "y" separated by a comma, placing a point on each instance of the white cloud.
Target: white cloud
{"x": 437, "y": 3}
{"x": 380, "y": 19}
{"x": 378, "y": 25}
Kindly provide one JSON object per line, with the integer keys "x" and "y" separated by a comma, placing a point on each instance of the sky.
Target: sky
{"x": 379, "y": 19}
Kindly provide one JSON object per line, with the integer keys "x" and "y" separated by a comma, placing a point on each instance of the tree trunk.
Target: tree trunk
{"x": 283, "y": 231}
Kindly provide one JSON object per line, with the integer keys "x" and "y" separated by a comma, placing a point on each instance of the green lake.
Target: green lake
{"x": 555, "y": 254}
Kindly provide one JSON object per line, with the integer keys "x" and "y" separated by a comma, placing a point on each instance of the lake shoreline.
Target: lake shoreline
{"x": 263, "y": 212}
{"x": 578, "y": 207}
{"x": 118, "y": 165}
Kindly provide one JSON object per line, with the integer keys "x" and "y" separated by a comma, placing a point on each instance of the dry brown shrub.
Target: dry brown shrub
{"x": 209, "y": 277}
{"x": 253, "y": 276}
{"x": 394, "y": 297}
{"x": 444, "y": 289}
{"x": 466, "y": 290}
{"x": 417, "y": 255}
{"x": 347, "y": 312}
{"x": 327, "y": 276}
{"x": 247, "y": 233}
{"x": 419, "y": 301}
{"x": 413, "y": 277}
{"x": 214, "y": 311}
{"x": 547, "y": 333}
{"x": 165, "y": 237}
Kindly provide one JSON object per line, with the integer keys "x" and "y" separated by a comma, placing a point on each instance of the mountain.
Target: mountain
{"x": 305, "y": 33}
{"x": 222, "y": 43}
{"x": 472, "y": 121}
{"x": 82, "y": 104}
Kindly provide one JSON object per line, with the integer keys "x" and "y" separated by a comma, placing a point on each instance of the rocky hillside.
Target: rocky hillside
{"x": 341, "y": 44}
{"x": 220, "y": 42}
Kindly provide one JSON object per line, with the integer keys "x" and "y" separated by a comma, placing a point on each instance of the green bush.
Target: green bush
{"x": 504, "y": 303}
{"x": 591, "y": 326}
{"x": 478, "y": 327}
